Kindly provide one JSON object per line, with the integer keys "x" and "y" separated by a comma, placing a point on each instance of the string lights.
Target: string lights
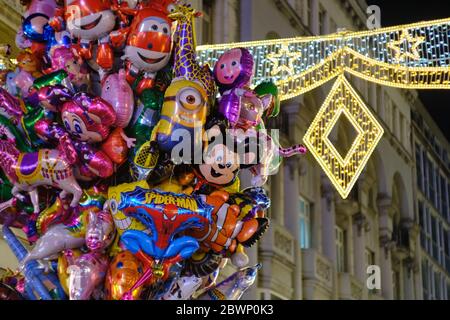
{"x": 343, "y": 101}
{"x": 414, "y": 56}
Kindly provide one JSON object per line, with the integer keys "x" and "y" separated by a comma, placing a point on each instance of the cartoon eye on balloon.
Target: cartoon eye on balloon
{"x": 171, "y": 8}
{"x": 191, "y": 99}
{"x": 155, "y": 25}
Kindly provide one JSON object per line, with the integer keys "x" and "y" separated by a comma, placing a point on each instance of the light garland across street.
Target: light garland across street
{"x": 415, "y": 56}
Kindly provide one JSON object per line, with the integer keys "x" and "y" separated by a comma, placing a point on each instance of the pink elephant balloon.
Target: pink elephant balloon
{"x": 119, "y": 94}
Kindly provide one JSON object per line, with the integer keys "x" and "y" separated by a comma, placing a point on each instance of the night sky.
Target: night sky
{"x": 403, "y": 12}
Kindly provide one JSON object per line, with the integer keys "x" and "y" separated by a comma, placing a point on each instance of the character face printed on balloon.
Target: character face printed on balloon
{"x": 149, "y": 42}
{"x": 224, "y": 156}
{"x": 88, "y": 119}
{"x": 190, "y": 103}
{"x": 221, "y": 165}
{"x": 89, "y": 19}
{"x": 229, "y": 67}
{"x": 252, "y": 110}
{"x": 66, "y": 59}
{"x": 234, "y": 69}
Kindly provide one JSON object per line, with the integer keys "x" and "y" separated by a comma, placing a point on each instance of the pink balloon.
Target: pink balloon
{"x": 21, "y": 41}
{"x": 119, "y": 94}
{"x": 89, "y": 270}
{"x": 86, "y": 274}
{"x": 24, "y": 80}
{"x": 46, "y": 7}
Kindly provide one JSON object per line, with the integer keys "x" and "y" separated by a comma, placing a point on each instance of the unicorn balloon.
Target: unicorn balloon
{"x": 43, "y": 168}
{"x": 28, "y": 171}
{"x": 95, "y": 229}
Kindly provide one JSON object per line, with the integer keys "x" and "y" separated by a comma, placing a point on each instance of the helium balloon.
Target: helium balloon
{"x": 139, "y": 56}
{"x": 234, "y": 286}
{"x": 119, "y": 94}
{"x": 124, "y": 271}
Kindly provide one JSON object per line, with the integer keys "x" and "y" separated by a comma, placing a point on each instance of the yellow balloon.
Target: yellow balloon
{"x": 63, "y": 264}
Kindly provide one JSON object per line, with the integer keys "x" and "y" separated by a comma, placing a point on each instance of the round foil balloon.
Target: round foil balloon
{"x": 124, "y": 271}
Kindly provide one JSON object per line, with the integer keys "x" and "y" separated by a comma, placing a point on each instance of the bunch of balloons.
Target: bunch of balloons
{"x": 120, "y": 155}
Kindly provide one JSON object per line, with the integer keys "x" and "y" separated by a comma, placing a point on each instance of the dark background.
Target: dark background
{"x": 395, "y": 12}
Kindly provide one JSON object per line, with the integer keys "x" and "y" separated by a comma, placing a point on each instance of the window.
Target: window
{"x": 340, "y": 249}
{"x": 437, "y": 286}
{"x": 425, "y": 280}
{"x": 419, "y": 167}
{"x": 448, "y": 204}
{"x": 305, "y": 223}
{"x": 431, "y": 182}
{"x": 437, "y": 187}
{"x": 425, "y": 173}
{"x": 447, "y": 249}
{"x": 434, "y": 237}
{"x": 444, "y": 199}
{"x": 423, "y": 225}
{"x": 397, "y": 289}
{"x": 441, "y": 243}
{"x": 207, "y": 22}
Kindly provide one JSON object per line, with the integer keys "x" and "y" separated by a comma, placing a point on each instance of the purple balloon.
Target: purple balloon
{"x": 10, "y": 106}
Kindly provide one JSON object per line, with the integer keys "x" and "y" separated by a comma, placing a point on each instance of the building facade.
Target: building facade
{"x": 432, "y": 195}
{"x": 319, "y": 246}
{"x": 10, "y": 19}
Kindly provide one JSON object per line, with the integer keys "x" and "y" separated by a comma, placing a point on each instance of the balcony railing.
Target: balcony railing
{"x": 278, "y": 241}
{"x": 350, "y": 288}
{"x": 317, "y": 267}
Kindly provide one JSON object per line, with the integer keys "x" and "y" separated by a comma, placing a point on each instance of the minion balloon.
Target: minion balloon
{"x": 186, "y": 102}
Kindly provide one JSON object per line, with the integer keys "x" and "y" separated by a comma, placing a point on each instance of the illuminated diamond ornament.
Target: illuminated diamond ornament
{"x": 343, "y": 171}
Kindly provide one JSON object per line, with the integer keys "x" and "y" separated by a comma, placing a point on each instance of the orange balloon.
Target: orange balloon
{"x": 115, "y": 147}
{"x": 124, "y": 271}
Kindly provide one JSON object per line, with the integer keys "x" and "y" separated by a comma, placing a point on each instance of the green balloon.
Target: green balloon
{"x": 12, "y": 130}
{"x": 5, "y": 188}
{"x": 54, "y": 78}
{"x": 146, "y": 116}
{"x": 28, "y": 122}
{"x": 269, "y": 87}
